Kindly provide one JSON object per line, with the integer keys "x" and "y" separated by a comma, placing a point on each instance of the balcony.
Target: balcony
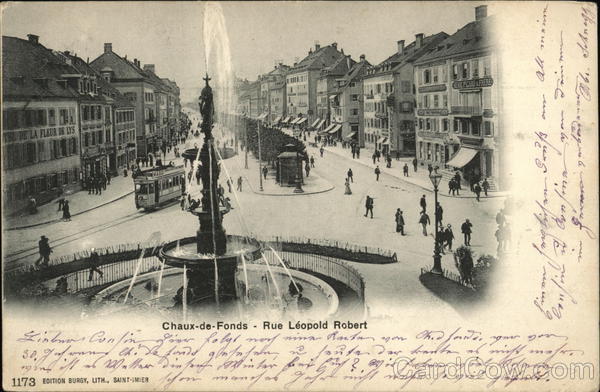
{"x": 468, "y": 110}
{"x": 381, "y": 115}
{"x": 432, "y": 134}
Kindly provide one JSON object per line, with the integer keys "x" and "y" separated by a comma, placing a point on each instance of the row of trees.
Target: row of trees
{"x": 272, "y": 141}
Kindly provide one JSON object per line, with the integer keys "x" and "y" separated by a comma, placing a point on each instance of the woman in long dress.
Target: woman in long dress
{"x": 348, "y": 190}
{"x": 66, "y": 211}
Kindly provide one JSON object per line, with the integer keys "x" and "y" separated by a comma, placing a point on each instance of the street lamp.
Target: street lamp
{"x": 298, "y": 173}
{"x": 435, "y": 178}
{"x": 246, "y": 143}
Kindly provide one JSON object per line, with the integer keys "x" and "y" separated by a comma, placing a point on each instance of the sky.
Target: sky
{"x": 170, "y": 34}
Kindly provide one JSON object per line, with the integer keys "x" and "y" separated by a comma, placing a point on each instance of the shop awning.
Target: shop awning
{"x": 303, "y": 119}
{"x": 382, "y": 140}
{"x": 314, "y": 124}
{"x": 462, "y": 157}
{"x": 335, "y": 128}
{"x": 286, "y": 120}
{"x": 262, "y": 116}
{"x": 277, "y": 119}
{"x": 329, "y": 128}
{"x": 294, "y": 121}
{"x": 350, "y": 135}
{"x": 320, "y": 124}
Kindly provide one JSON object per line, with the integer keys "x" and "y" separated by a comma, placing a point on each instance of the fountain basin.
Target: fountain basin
{"x": 183, "y": 252}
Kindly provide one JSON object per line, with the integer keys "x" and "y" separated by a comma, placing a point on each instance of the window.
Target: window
{"x": 420, "y": 123}
{"x": 487, "y": 67}
{"x": 85, "y": 113}
{"x": 475, "y": 66}
{"x": 427, "y": 124}
{"x": 93, "y": 138}
{"x": 426, "y": 101}
{"x": 456, "y": 126}
{"x": 354, "y": 97}
{"x": 41, "y": 117}
{"x": 74, "y": 145}
{"x": 63, "y": 115}
{"x": 476, "y": 128}
{"x": 487, "y": 98}
{"x": 405, "y": 86}
{"x": 30, "y": 152}
{"x": 355, "y": 112}
{"x": 71, "y": 115}
{"x": 63, "y": 147}
{"x": 29, "y": 118}
{"x": 100, "y": 137}
{"x": 488, "y": 128}
{"x": 435, "y": 74}
{"x": 445, "y": 125}
{"x": 427, "y": 76}
{"x": 455, "y": 72}
{"x": 406, "y": 107}
{"x": 436, "y": 101}
{"x": 465, "y": 70}
{"x": 445, "y": 100}
{"x": 86, "y": 139}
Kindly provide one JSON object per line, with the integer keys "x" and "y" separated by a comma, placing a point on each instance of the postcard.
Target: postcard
{"x": 320, "y": 196}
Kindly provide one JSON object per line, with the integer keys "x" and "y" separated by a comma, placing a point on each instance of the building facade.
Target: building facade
{"x": 136, "y": 85}
{"x": 458, "y": 103}
{"x": 347, "y": 103}
{"x": 328, "y": 85}
{"x": 389, "y": 97}
{"x": 272, "y": 93}
{"x": 301, "y": 81}
{"x": 40, "y": 130}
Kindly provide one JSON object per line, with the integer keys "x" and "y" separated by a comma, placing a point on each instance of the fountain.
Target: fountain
{"x": 211, "y": 258}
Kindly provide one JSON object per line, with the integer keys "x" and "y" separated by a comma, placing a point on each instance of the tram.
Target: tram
{"x": 158, "y": 186}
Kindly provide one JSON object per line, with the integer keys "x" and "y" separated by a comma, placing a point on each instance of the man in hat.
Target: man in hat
{"x": 466, "y": 230}
{"x": 45, "y": 250}
{"x": 94, "y": 261}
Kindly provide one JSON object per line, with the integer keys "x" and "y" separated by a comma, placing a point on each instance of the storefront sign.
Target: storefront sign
{"x": 430, "y": 89}
{"x": 474, "y": 83}
{"x": 34, "y": 134}
{"x": 432, "y": 112}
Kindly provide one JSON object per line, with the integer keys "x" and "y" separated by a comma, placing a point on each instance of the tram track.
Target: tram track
{"x": 25, "y": 253}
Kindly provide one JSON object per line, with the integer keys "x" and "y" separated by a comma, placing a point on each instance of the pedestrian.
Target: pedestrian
{"x": 66, "y": 211}
{"x": 357, "y": 153}
{"x": 94, "y": 261}
{"x": 89, "y": 183}
{"x": 439, "y": 212}
{"x": 374, "y": 158}
{"x": 108, "y": 177}
{"x": 424, "y": 221}
{"x": 429, "y": 168}
{"x": 350, "y": 175}
{"x": 45, "y": 250}
{"x": 451, "y": 186}
{"x": 414, "y": 162}
{"x": 99, "y": 185}
{"x": 61, "y": 202}
{"x": 321, "y": 151}
{"x": 399, "y": 222}
{"x": 389, "y": 161}
{"x": 398, "y": 155}
{"x": 377, "y": 173}
{"x": 369, "y": 206}
{"x": 500, "y": 218}
{"x": 448, "y": 237}
{"x": 477, "y": 190}
{"x": 182, "y": 203}
{"x": 465, "y": 228}
{"x": 229, "y": 185}
{"x": 486, "y": 186}
{"x": 103, "y": 180}
{"x": 239, "y": 183}
{"x": 457, "y": 180}
{"x": 312, "y": 161}
{"x": 265, "y": 170}
{"x": 423, "y": 203}
{"x": 377, "y": 154}
{"x": 405, "y": 170}
{"x": 348, "y": 191}
{"x": 307, "y": 169}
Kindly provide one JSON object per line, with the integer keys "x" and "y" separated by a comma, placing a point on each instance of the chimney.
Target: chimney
{"x": 317, "y": 46}
{"x": 107, "y": 47}
{"x": 401, "y": 46}
{"x": 418, "y": 40}
{"x": 334, "y": 45}
{"x": 480, "y": 12}
{"x": 67, "y": 53}
{"x": 310, "y": 51}
{"x": 34, "y": 39}
{"x": 362, "y": 58}
{"x": 348, "y": 62}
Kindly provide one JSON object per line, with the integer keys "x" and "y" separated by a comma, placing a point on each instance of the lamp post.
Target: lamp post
{"x": 259, "y": 159}
{"x": 246, "y": 142}
{"x": 298, "y": 174}
{"x": 435, "y": 178}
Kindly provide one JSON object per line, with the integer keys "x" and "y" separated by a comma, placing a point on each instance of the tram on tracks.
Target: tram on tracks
{"x": 158, "y": 186}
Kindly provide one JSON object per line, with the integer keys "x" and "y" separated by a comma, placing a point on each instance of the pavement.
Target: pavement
{"x": 419, "y": 178}
{"x": 314, "y": 183}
